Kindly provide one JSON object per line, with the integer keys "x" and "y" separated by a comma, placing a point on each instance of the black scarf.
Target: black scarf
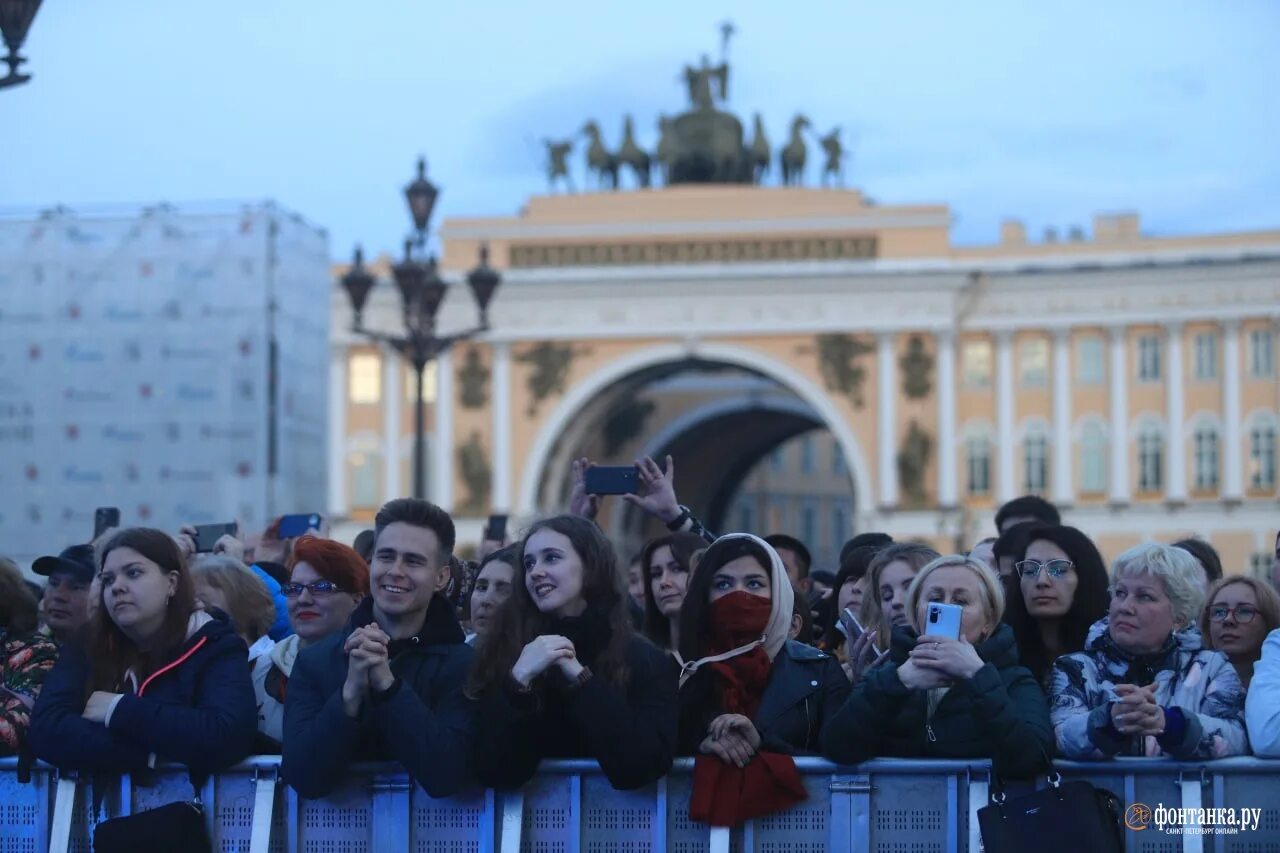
{"x": 590, "y": 633}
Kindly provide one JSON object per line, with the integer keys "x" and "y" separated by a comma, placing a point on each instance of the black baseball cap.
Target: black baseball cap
{"x": 78, "y": 559}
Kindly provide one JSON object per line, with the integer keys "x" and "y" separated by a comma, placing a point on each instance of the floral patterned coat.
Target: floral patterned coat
{"x": 25, "y": 659}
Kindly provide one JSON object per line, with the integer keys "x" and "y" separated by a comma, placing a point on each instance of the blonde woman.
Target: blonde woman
{"x": 939, "y": 697}
{"x": 224, "y": 583}
{"x": 1236, "y": 620}
{"x": 1143, "y": 684}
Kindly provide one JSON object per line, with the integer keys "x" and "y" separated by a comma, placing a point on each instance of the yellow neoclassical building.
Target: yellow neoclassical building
{"x": 1131, "y": 379}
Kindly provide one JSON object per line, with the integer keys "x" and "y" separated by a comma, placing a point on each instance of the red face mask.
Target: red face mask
{"x": 737, "y": 619}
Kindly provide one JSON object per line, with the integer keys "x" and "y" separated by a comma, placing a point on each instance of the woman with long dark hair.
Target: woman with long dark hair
{"x": 152, "y": 677}
{"x": 667, "y": 563}
{"x": 563, "y": 676}
{"x": 1058, "y": 590}
{"x": 751, "y": 698}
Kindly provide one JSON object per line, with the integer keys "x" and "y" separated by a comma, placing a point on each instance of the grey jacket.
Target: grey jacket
{"x": 1201, "y": 683}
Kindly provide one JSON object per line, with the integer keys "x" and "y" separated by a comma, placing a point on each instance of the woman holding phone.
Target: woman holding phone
{"x": 953, "y": 687}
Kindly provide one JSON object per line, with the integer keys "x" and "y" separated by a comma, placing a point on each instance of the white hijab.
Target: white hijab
{"x": 776, "y": 631}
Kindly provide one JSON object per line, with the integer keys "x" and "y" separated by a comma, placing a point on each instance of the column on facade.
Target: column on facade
{"x": 501, "y": 473}
{"x": 1232, "y": 458}
{"x": 1063, "y": 489}
{"x": 1119, "y": 416}
{"x": 887, "y": 430}
{"x": 1176, "y": 487}
{"x": 393, "y": 392}
{"x": 1006, "y": 488}
{"x": 338, "y": 430}
{"x": 948, "y": 495}
{"x": 442, "y": 459}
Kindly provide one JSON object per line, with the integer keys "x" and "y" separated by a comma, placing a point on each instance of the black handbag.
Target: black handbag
{"x": 1066, "y": 817}
{"x": 173, "y": 827}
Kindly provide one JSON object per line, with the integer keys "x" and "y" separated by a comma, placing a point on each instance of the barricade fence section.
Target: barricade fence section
{"x": 884, "y": 806}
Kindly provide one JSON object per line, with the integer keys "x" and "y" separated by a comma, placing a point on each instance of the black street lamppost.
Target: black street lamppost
{"x": 15, "y": 20}
{"x": 422, "y": 290}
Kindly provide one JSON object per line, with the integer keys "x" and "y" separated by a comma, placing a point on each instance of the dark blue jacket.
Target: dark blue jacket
{"x": 423, "y": 722}
{"x": 197, "y": 709}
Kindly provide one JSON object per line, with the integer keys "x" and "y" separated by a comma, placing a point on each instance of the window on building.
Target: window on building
{"x": 1033, "y": 359}
{"x": 778, "y": 516}
{"x": 1206, "y": 349}
{"x": 1206, "y": 451}
{"x": 1035, "y": 463}
{"x": 839, "y": 525}
{"x": 1093, "y": 458}
{"x": 978, "y": 464}
{"x": 365, "y": 469}
{"x": 364, "y": 377}
{"x": 1091, "y": 365}
{"x": 809, "y": 524}
{"x": 1262, "y": 456}
{"x": 429, "y": 379}
{"x": 746, "y": 516}
{"x": 1260, "y": 563}
{"x": 778, "y": 458}
{"x": 1149, "y": 358}
{"x": 837, "y": 460}
{"x": 807, "y": 465}
{"x": 1150, "y": 460}
{"x": 975, "y": 364}
{"x": 1261, "y": 354}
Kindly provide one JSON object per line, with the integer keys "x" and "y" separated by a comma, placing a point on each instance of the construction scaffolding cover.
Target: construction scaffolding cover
{"x": 169, "y": 363}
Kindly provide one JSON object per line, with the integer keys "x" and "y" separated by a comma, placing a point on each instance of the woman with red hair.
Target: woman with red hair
{"x": 326, "y": 582}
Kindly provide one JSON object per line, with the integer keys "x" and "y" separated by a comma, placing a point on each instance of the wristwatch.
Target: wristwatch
{"x": 677, "y": 524}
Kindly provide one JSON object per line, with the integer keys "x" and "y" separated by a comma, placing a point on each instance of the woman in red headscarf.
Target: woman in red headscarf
{"x": 750, "y": 698}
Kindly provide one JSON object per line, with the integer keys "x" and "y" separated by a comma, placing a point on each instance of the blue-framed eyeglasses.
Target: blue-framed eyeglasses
{"x": 293, "y": 590}
{"x": 1031, "y": 568}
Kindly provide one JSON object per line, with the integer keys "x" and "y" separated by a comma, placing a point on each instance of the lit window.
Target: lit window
{"x": 1093, "y": 458}
{"x": 1149, "y": 358}
{"x": 1150, "y": 460}
{"x": 1262, "y": 457}
{"x": 1206, "y": 349}
{"x": 1261, "y": 355}
{"x": 1206, "y": 446}
{"x": 978, "y": 462}
{"x": 1091, "y": 364}
{"x": 1033, "y": 358}
{"x": 1035, "y": 463}
{"x": 975, "y": 363}
{"x": 364, "y": 377}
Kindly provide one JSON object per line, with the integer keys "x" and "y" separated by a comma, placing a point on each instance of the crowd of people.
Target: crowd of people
{"x": 732, "y": 649}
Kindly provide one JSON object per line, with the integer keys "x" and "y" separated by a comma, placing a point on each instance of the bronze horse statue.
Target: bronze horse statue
{"x": 631, "y": 154}
{"x": 794, "y": 153}
{"x": 600, "y": 160}
{"x": 759, "y": 153}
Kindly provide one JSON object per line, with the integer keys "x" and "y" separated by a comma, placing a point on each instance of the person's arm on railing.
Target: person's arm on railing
{"x": 61, "y": 736}
{"x": 1082, "y": 725}
{"x": 216, "y": 733}
{"x": 854, "y": 732}
{"x": 832, "y": 695}
{"x": 506, "y": 755}
{"x": 433, "y": 743}
{"x": 320, "y": 738}
{"x": 1014, "y": 719}
{"x": 631, "y": 734}
{"x": 1262, "y": 704}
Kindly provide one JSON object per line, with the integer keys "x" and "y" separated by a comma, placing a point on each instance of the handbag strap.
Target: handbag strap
{"x": 264, "y": 801}
{"x": 64, "y": 809}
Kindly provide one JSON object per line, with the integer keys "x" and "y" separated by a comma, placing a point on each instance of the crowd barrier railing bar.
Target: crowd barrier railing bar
{"x": 886, "y": 806}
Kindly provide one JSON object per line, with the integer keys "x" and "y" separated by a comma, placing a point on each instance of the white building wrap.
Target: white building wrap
{"x": 171, "y": 364}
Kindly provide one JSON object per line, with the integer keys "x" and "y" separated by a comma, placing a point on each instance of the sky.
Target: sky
{"x": 1044, "y": 111}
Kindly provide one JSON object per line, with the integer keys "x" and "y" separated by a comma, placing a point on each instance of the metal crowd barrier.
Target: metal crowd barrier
{"x": 886, "y": 806}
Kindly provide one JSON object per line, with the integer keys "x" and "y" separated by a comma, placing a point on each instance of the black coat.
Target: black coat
{"x": 197, "y": 709}
{"x": 1001, "y": 713}
{"x": 805, "y": 689}
{"x": 423, "y": 722}
{"x": 631, "y": 732}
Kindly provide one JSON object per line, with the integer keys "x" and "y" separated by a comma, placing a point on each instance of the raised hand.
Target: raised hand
{"x": 582, "y": 504}
{"x": 657, "y": 495}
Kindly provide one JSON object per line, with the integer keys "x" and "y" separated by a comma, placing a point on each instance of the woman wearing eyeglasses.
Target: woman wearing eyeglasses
{"x": 1240, "y": 613}
{"x": 1061, "y": 589}
{"x": 327, "y": 580}
{"x": 1143, "y": 684}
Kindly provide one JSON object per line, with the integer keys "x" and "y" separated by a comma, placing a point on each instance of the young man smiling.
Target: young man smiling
{"x": 389, "y": 686}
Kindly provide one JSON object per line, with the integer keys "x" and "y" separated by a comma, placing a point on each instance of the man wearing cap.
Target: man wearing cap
{"x": 66, "y": 595}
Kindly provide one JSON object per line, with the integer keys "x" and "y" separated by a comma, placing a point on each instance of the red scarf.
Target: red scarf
{"x": 725, "y": 794}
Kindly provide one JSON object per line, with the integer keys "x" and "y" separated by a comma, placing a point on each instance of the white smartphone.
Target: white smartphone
{"x": 943, "y": 620}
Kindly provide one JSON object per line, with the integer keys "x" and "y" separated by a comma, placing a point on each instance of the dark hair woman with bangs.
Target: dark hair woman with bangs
{"x": 563, "y": 675}
{"x": 667, "y": 563}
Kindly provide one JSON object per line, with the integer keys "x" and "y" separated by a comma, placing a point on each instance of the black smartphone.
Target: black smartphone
{"x": 207, "y": 535}
{"x": 293, "y": 526}
{"x": 496, "y": 529}
{"x": 612, "y": 480}
{"x": 105, "y": 518}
